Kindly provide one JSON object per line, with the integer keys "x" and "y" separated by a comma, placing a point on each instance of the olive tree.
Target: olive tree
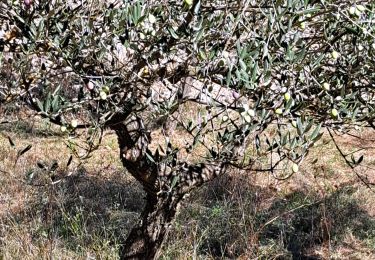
{"x": 222, "y": 84}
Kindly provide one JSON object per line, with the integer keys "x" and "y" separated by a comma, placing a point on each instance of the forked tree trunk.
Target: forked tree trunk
{"x": 145, "y": 240}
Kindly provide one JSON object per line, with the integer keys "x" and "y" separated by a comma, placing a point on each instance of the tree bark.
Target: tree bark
{"x": 145, "y": 240}
{"x": 165, "y": 187}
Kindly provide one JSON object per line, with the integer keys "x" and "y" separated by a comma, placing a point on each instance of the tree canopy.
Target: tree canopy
{"x": 191, "y": 87}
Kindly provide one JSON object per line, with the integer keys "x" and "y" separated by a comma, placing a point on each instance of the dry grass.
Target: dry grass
{"x": 323, "y": 212}
{"x": 81, "y": 216}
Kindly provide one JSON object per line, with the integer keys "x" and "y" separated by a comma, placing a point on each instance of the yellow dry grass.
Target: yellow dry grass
{"x": 82, "y": 215}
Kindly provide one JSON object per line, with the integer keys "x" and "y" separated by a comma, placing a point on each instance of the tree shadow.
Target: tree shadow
{"x": 86, "y": 206}
{"x": 217, "y": 211}
{"x": 115, "y": 203}
{"x": 322, "y": 222}
{"x": 237, "y": 218}
{"x": 30, "y": 129}
{"x": 84, "y": 209}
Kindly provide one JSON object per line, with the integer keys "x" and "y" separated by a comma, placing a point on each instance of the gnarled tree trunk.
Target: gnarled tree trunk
{"x": 165, "y": 187}
{"x": 144, "y": 240}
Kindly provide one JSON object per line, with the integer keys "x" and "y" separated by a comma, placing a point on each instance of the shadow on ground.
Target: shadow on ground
{"x": 29, "y": 128}
{"x": 319, "y": 223}
{"x": 234, "y": 218}
{"x": 83, "y": 211}
{"x": 228, "y": 218}
{"x": 110, "y": 205}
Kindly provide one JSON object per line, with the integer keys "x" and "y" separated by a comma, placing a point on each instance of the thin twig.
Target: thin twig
{"x": 367, "y": 184}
